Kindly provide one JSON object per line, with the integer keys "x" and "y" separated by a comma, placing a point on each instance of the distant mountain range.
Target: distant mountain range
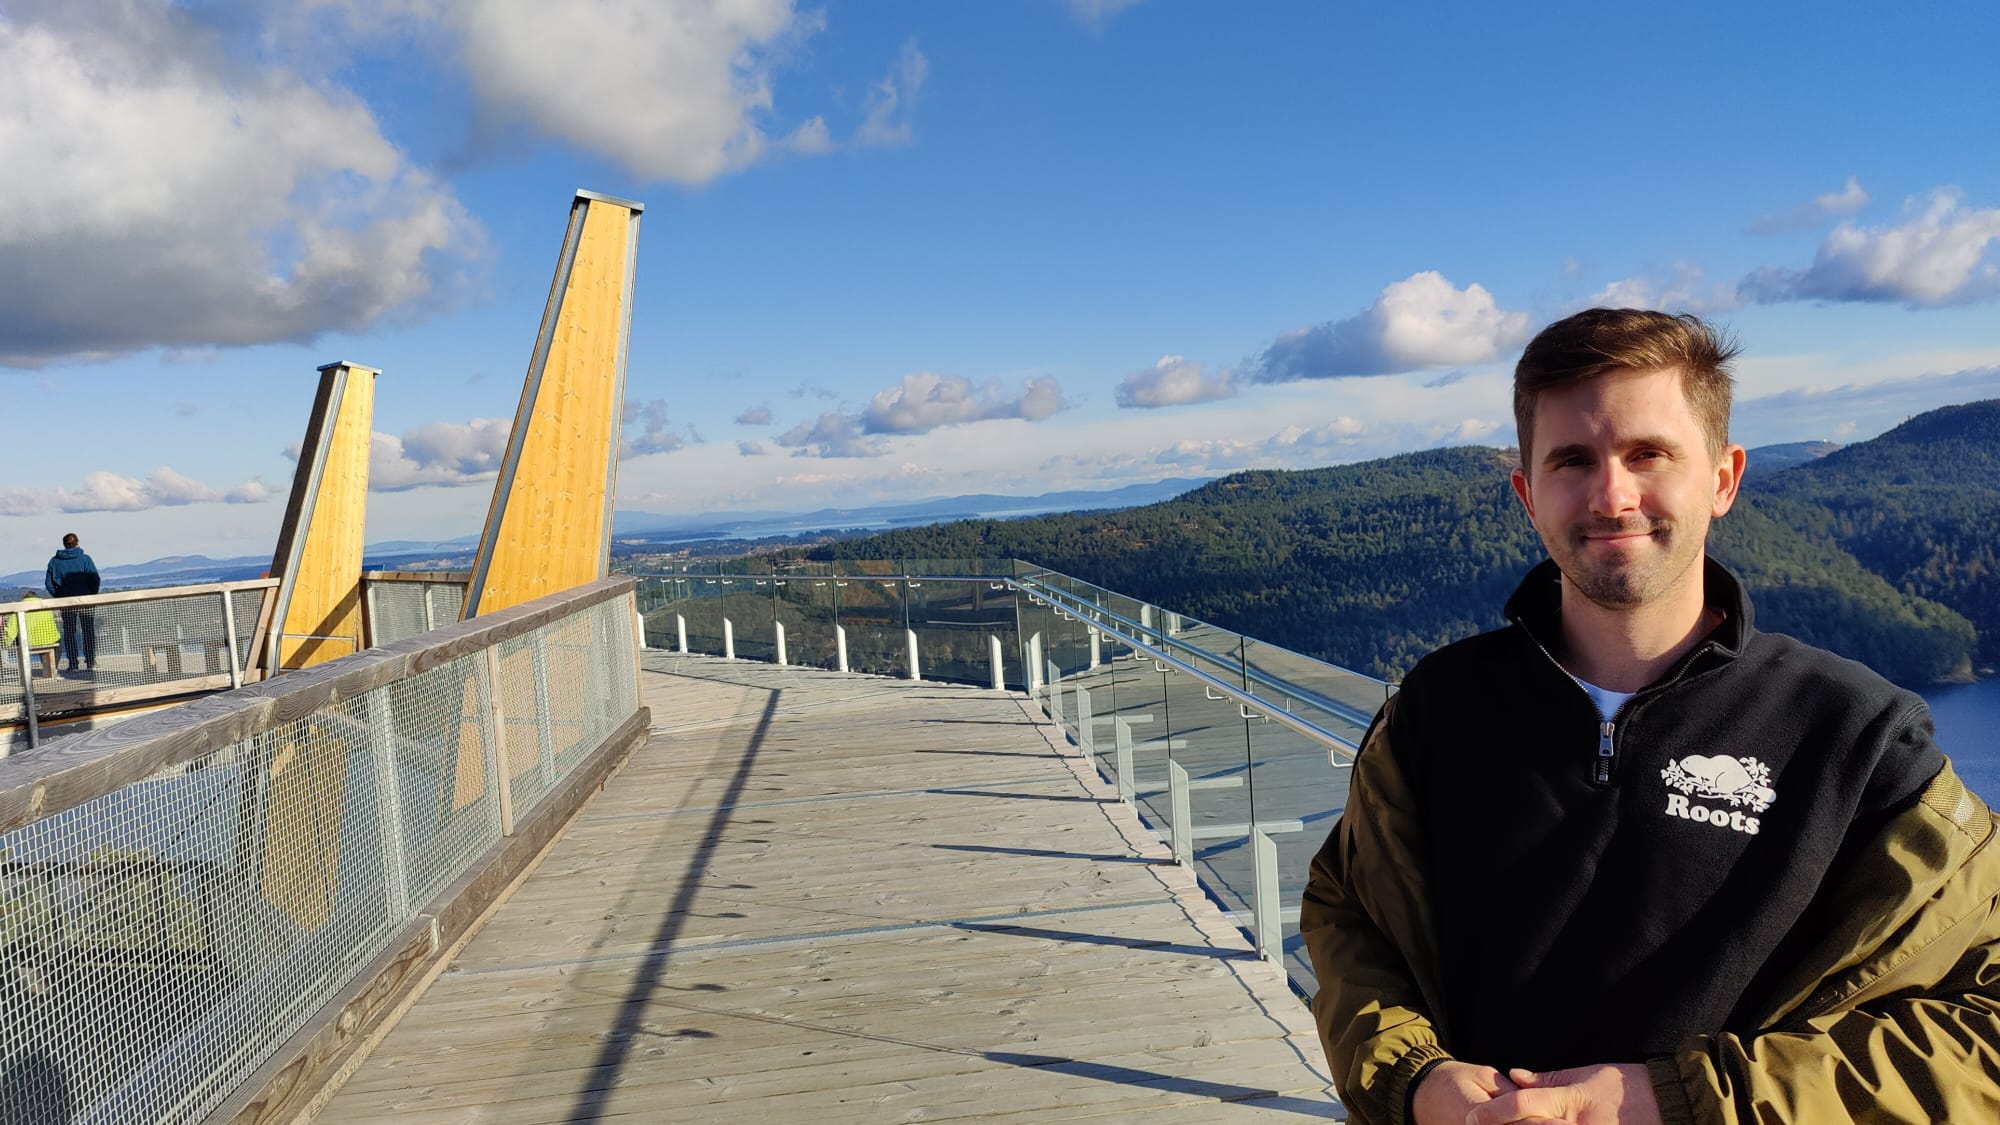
{"x": 648, "y": 527}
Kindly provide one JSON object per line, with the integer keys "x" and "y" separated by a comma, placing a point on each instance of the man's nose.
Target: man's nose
{"x": 1616, "y": 490}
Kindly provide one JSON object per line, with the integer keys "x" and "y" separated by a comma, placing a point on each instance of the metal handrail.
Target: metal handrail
{"x": 151, "y": 593}
{"x": 1243, "y": 699}
{"x": 1283, "y": 687}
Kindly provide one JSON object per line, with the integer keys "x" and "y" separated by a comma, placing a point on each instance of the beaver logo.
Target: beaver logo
{"x": 1743, "y": 782}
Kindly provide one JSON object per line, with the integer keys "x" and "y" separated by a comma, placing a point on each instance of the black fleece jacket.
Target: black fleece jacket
{"x": 1598, "y": 901}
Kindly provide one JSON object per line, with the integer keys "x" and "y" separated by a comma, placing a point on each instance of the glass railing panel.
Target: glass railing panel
{"x": 957, "y": 624}
{"x": 1298, "y": 786}
{"x": 1345, "y": 701}
{"x": 875, "y": 613}
{"x": 1127, "y": 715}
{"x": 704, "y": 610}
{"x": 753, "y": 611}
{"x": 1206, "y": 738}
{"x": 951, "y": 641}
{"x": 806, "y": 606}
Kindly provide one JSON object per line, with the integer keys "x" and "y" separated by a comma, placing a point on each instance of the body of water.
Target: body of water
{"x": 1968, "y": 730}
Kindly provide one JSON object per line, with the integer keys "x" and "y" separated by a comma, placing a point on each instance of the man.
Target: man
{"x": 71, "y": 574}
{"x": 1631, "y": 860}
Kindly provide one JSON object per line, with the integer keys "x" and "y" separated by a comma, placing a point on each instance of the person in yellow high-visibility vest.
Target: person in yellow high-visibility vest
{"x": 43, "y": 632}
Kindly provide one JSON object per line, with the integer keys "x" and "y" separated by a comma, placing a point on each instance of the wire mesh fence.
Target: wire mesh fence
{"x": 74, "y": 655}
{"x": 402, "y": 606}
{"x": 160, "y": 941}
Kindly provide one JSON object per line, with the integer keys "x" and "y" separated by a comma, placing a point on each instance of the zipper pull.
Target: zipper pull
{"x": 1604, "y": 752}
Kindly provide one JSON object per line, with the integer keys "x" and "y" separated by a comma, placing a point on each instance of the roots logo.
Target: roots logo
{"x": 1742, "y": 782}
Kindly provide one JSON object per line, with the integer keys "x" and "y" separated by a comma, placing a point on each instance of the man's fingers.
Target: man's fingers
{"x": 1551, "y": 1103}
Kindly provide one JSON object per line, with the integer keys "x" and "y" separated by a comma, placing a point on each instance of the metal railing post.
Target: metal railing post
{"x": 503, "y": 766}
{"x": 728, "y": 639}
{"x": 1054, "y": 687}
{"x": 430, "y": 614}
{"x": 1096, "y": 653}
{"x": 681, "y": 632}
{"x": 915, "y": 672}
{"x": 1084, "y": 719}
{"x": 779, "y": 628}
{"x": 21, "y": 647}
{"x": 993, "y": 655}
{"x": 389, "y": 803}
{"x": 1265, "y": 915}
{"x": 229, "y": 629}
{"x": 840, "y": 646}
{"x": 545, "y": 719}
{"x": 1183, "y": 822}
{"x": 1122, "y": 733}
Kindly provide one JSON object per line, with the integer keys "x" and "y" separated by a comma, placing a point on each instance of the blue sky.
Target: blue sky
{"x": 895, "y": 250}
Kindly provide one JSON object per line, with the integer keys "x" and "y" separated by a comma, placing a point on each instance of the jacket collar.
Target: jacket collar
{"x": 1537, "y": 607}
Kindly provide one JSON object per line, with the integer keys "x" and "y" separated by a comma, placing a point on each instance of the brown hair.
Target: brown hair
{"x": 70, "y": 540}
{"x": 1593, "y": 342}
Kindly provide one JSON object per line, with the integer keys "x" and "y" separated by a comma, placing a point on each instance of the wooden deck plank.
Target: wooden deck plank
{"x": 826, "y": 898}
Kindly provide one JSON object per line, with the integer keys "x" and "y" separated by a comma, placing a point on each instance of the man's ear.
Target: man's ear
{"x": 1519, "y": 479}
{"x": 1728, "y": 478}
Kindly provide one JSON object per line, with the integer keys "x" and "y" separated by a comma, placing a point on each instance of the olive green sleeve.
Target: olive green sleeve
{"x": 1356, "y": 924}
{"x": 1909, "y": 1030}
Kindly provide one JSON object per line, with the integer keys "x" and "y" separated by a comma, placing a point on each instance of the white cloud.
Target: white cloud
{"x": 919, "y": 404}
{"x": 1096, "y": 13}
{"x": 110, "y": 492}
{"x": 1173, "y": 381}
{"x": 656, "y": 436}
{"x": 892, "y": 102}
{"x": 1342, "y": 431}
{"x": 164, "y": 193}
{"x": 437, "y": 453}
{"x": 673, "y": 91}
{"x": 1420, "y": 322}
{"x": 924, "y": 401}
{"x": 1936, "y": 255}
{"x": 754, "y": 416}
{"x": 1846, "y": 201}
{"x": 751, "y": 448}
{"x": 1685, "y": 289}
{"x": 831, "y": 435}
{"x": 1827, "y": 410}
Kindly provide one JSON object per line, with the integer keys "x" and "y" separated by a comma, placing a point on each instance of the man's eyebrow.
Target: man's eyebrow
{"x": 1564, "y": 452}
{"x": 1641, "y": 441}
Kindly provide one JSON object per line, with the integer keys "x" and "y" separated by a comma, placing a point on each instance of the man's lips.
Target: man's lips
{"x": 1614, "y": 538}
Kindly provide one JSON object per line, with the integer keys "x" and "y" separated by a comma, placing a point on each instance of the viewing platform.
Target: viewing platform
{"x": 839, "y": 898}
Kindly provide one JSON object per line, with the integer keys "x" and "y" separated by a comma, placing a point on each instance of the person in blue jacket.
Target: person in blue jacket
{"x": 71, "y": 574}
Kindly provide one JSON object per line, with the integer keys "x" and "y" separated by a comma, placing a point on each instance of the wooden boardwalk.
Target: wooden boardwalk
{"x": 828, "y": 899}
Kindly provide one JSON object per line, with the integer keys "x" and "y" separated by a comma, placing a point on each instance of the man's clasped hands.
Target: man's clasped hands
{"x": 1458, "y": 1093}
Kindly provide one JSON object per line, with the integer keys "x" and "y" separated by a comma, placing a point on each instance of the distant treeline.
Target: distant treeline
{"x": 1882, "y": 551}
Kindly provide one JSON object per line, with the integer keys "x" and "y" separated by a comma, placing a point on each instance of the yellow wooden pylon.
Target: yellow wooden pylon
{"x": 317, "y": 616}
{"x": 548, "y": 528}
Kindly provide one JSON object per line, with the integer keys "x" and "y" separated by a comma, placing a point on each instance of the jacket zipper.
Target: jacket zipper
{"x": 1607, "y": 729}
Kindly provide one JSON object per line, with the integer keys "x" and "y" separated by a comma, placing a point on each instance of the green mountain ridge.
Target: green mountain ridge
{"x": 1881, "y": 551}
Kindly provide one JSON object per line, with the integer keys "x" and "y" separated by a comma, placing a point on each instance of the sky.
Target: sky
{"x": 896, "y": 249}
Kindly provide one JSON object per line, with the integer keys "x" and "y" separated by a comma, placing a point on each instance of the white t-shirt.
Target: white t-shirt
{"x": 1608, "y": 701}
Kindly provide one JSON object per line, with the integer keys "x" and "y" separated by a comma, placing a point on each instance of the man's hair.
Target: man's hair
{"x": 70, "y": 540}
{"x": 1593, "y": 342}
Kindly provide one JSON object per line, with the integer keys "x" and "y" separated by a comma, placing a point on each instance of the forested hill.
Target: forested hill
{"x": 1919, "y": 506}
{"x": 1373, "y": 564}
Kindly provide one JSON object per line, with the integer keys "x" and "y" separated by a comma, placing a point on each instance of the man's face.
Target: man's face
{"x": 1622, "y": 486}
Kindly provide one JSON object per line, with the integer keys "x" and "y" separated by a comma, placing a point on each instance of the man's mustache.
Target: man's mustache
{"x": 1601, "y": 528}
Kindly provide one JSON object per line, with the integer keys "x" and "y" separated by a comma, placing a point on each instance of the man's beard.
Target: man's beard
{"x": 1625, "y": 583}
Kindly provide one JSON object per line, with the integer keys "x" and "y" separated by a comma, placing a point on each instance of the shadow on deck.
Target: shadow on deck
{"x": 837, "y": 898}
